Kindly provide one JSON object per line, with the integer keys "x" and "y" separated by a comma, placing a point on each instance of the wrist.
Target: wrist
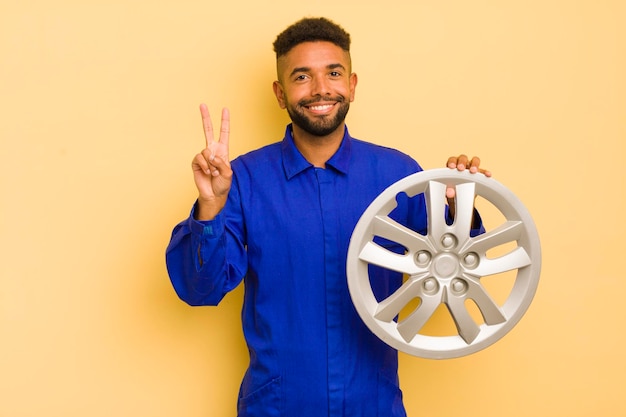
{"x": 207, "y": 209}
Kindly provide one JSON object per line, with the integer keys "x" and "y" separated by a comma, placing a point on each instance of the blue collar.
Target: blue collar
{"x": 294, "y": 162}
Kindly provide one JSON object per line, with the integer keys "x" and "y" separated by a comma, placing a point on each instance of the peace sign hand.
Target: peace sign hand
{"x": 211, "y": 167}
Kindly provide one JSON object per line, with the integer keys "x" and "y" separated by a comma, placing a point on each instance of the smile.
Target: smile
{"x": 321, "y": 108}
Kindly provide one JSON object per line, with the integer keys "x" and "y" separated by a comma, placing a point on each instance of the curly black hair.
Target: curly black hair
{"x": 311, "y": 29}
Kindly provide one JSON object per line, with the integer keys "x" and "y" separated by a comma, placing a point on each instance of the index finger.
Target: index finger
{"x": 206, "y": 124}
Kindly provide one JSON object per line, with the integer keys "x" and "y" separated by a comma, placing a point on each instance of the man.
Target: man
{"x": 280, "y": 218}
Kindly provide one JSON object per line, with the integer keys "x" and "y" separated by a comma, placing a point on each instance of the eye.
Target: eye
{"x": 335, "y": 74}
{"x": 300, "y": 77}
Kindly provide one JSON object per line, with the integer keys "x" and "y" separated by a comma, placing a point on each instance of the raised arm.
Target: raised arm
{"x": 204, "y": 236}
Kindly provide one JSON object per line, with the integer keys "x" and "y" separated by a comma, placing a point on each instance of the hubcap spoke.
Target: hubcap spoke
{"x": 387, "y": 228}
{"x": 507, "y": 232}
{"x": 377, "y": 255}
{"x": 466, "y": 326}
{"x": 392, "y": 305}
{"x": 516, "y": 259}
{"x": 491, "y": 312}
{"x": 435, "y": 196}
{"x": 465, "y": 195}
{"x": 410, "y": 326}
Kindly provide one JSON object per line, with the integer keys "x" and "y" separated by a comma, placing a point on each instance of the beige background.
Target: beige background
{"x": 99, "y": 123}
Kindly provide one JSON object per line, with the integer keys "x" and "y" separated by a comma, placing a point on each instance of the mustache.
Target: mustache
{"x": 318, "y": 99}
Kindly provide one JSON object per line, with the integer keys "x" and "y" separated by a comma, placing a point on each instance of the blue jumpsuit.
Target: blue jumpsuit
{"x": 285, "y": 232}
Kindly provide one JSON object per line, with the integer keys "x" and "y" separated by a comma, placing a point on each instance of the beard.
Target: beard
{"x": 321, "y": 125}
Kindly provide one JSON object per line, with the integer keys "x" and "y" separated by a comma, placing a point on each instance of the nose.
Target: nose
{"x": 320, "y": 87}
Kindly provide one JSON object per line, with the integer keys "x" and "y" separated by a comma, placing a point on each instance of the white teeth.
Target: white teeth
{"x": 319, "y": 108}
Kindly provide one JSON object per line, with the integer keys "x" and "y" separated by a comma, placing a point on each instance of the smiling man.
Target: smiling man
{"x": 315, "y": 85}
{"x": 280, "y": 219}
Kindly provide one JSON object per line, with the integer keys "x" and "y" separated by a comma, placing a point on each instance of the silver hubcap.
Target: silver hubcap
{"x": 446, "y": 266}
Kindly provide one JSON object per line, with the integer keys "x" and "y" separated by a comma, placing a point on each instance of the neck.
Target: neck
{"x": 317, "y": 149}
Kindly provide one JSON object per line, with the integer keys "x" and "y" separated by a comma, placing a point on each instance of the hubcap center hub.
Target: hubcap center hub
{"x": 446, "y": 265}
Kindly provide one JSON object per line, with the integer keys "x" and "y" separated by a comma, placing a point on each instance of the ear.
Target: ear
{"x": 353, "y": 81}
{"x": 280, "y": 94}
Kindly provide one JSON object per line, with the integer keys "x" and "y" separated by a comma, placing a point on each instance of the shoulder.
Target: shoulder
{"x": 261, "y": 156}
{"x": 364, "y": 151}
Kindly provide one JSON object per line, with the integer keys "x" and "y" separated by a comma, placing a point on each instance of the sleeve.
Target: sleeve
{"x": 477, "y": 225}
{"x": 207, "y": 259}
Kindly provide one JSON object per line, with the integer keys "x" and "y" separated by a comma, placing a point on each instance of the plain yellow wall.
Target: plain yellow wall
{"x": 99, "y": 123}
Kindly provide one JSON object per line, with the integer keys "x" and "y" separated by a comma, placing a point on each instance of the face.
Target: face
{"x": 315, "y": 86}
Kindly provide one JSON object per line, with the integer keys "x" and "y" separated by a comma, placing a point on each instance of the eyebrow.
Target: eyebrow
{"x": 307, "y": 69}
